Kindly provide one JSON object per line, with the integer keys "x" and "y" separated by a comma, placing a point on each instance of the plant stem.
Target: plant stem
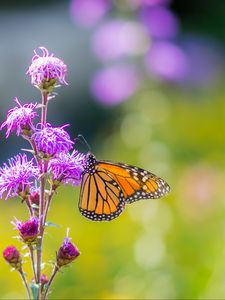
{"x": 25, "y": 283}
{"x": 41, "y": 227}
{"x": 51, "y": 193}
{"x": 42, "y": 193}
{"x": 54, "y": 272}
{"x": 29, "y": 207}
{"x": 33, "y": 263}
{"x": 44, "y": 108}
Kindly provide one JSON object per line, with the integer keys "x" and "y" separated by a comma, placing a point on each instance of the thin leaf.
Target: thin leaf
{"x": 50, "y": 224}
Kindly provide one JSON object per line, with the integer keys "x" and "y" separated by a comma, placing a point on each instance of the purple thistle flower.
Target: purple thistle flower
{"x": 52, "y": 140}
{"x": 67, "y": 253}
{"x": 46, "y": 68}
{"x": 67, "y": 168}
{"x": 20, "y": 118}
{"x": 17, "y": 177}
{"x": 12, "y": 256}
{"x": 28, "y": 229}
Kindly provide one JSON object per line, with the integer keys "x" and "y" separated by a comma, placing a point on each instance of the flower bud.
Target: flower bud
{"x": 12, "y": 256}
{"x": 28, "y": 230}
{"x": 67, "y": 253}
{"x": 44, "y": 279}
{"x": 34, "y": 198}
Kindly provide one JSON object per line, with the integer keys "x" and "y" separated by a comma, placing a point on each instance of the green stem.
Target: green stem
{"x": 25, "y": 283}
{"x": 51, "y": 193}
{"x": 54, "y": 272}
{"x": 33, "y": 263}
{"x": 42, "y": 193}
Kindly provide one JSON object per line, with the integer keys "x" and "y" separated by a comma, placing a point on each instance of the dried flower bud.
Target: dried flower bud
{"x": 67, "y": 253}
{"x": 12, "y": 256}
{"x": 34, "y": 198}
{"x": 28, "y": 230}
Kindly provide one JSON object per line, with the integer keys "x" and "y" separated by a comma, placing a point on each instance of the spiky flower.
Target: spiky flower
{"x": 67, "y": 253}
{"x": 12, "y": 256}
{"x": 67, "y": 168}
{"x": 46, "y": 70}
{"x": 17, "y": 177}
{"x": 28, "y": 230}
{"x": 51, "y": 141}
{"x": 20, "y": 118}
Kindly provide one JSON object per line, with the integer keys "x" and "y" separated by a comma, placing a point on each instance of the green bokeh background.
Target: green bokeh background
{"x": 171, "y": 248}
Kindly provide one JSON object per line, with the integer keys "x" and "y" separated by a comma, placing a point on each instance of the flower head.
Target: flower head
{"x": 28, "y": 230}
{"x": 52, "y": 140}
{"x": 12, "y": 256}
{"x": 67, "y": 168}
{"x": 17, "y": 177}
{"x": 67, "y": 253}
{"x": 20, "y": 118}
{"x": 46, "y": 70}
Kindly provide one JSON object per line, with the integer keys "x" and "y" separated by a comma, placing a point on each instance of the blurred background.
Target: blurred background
{"x": 146, "y": 87}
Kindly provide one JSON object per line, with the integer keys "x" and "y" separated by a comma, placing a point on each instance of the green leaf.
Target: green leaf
{"x": 50, "y": 224}
{"x": 35, "y": 290}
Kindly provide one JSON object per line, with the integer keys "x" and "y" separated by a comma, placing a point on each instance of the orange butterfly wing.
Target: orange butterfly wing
{"x": 101, "y": 198}
{"x": 135, "y": 183}
{"x": 106, "y": 187}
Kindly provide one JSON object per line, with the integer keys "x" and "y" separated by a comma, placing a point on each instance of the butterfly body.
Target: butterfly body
{"x": 108, "y": 186}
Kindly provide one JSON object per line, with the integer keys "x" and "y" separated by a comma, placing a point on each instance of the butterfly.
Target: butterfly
{"x": 106, "y": 188}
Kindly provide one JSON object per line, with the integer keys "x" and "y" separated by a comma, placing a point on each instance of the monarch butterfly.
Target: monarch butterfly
{"x": 107, "y": 187}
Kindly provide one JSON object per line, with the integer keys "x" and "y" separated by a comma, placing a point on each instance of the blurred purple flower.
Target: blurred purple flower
{"x": 12, "y": 256}
{"x": 119, "y": 38}
{"x": 52, "y": 140}
{"x": 28, "y": 230}
{"x": 20, "y": 118}
{"x": 160, "y": 22}
{"x": 67, "y": 168}
{"x": 46, "y": 67}
{"x": 17, "y": 178}
{"x": 67, "y": 253}
{"x": 154, "y": 2}
{"x": 115, "y": 84}
{"x": 167, "y": 61}
{"x": 205, "y": 60}
{"x": 88, "y": 12}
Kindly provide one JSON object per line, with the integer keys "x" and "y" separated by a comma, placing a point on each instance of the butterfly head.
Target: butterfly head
{"x": 90, "y": 162}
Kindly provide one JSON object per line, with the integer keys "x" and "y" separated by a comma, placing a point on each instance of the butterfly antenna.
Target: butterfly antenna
{"x": 81, "y": 138}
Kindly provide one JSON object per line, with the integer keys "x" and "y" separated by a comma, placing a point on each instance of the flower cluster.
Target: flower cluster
{"x": 34, "y": 180}
{"x": 143, "y": 35}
